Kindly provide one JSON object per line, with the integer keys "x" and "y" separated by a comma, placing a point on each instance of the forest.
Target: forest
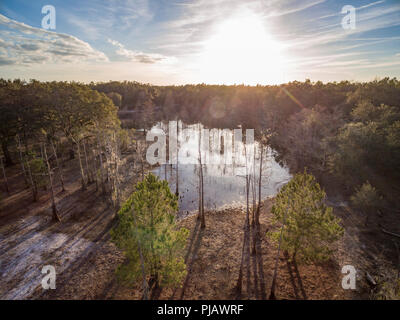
{"x": 76, "y": 190}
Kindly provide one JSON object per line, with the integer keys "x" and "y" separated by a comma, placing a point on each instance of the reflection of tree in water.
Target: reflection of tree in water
{"x": 223, "y": 183}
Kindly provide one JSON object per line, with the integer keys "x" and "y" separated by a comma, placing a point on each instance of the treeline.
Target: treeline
{"x": 42, "y": 122}
{"x": 341, "y": 131}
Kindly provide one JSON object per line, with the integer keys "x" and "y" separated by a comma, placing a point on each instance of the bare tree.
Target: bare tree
{"x": 177, "y": 158}
{"x": 201, "y": 186}
{"x": 246, "y": 231}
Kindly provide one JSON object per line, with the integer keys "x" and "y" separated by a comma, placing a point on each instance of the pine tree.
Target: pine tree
{"x": 148, "y": 235}
{"x": 309, "y": 226}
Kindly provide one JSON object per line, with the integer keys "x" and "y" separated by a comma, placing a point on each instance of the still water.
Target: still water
{"x": 224, "y": 184}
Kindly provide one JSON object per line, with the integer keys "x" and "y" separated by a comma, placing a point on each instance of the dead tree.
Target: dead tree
{"x": 259, "y": 187}
{"x": 177, "y": 159}
{"x": 201, "y": 186}
{"x": 246, "y": 247}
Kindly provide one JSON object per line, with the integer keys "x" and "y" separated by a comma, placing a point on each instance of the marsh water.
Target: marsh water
{"x": 224, "y": 182}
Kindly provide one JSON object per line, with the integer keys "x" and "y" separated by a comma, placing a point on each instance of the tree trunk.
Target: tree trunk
{"x": 89, "y": 174}
{"x": 7, "y": 155}
{"x": 72, "y": 152}
{"x": 22, "y": 161}
{"x": 259, "y": 188}
{"x": 203, "y": 218}
{"x": 116, "y": 174}
{"x": 177, "y": 159}
{"x": 53, "y": 202}
{"x": 33, "y": 184}
{"x": 201, "y": 186}
{"x": 59, "y": 166}
{"x": 5, "y": 176}
{"x": 81, "y": 167}
{"x": 103, "y": 189}
{"x": 95, "y": 170}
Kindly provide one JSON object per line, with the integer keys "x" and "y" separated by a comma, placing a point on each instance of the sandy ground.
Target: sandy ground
{"x": 85, "y": 259}
{"x": 215, "y": 258}
{"x": 30, "y": 239}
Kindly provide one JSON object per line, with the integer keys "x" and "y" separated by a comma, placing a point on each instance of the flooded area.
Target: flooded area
{"x": 224, "y": 181}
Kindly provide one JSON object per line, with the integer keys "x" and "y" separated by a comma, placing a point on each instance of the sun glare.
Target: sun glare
{"x": 242, "y": 51}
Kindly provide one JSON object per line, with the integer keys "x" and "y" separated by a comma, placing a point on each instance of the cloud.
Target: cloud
{"x": 358, "y": 8}
{"x": 136, "y": 56}
{"x": 4, "y": 61}
{"x": 108, "y": 17}
{"x": 27, "y": 45}
{"x": 284, "y": 11}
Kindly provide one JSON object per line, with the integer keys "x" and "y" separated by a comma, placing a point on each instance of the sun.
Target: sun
{"x": 242, "y": 51}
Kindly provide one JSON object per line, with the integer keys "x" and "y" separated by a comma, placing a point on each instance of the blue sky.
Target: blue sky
{"x": 210, "y": 41}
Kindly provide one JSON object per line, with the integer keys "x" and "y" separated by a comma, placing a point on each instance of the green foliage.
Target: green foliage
{"x": 309, "y": 225}
{"x": 38, "y": 170}
{"x": 125, "y": 139}
{"x": 147, "y": 221}
{"x": 366, "y": 198}
{"x": 368, "y": 143}
{"x": 116, "y": 98}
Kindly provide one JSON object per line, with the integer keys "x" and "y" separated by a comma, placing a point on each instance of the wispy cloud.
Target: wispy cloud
{"x": 336, "y": 14}
{"x": 26, "y": 45}
{"x": 293, "y": 8}
{"x": 136, "y": 56}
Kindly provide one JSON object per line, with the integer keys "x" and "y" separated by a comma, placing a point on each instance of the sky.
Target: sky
{"x": 166, "y": 42}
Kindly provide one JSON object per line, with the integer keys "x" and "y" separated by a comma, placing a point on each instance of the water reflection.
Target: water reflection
{"x": 224, "y": 184}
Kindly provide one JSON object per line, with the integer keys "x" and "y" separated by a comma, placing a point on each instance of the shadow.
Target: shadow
{"x": 260, "y": 263}
{"x": 300, "y": 282}
{"x": 155, "y": 293}
{"x": 194, "y": 254}
{"x": 194, "y": 233}
{"x": 255, "y": 273}
{"x": 292, "y": 280}
{"x": 191, "y": 254}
